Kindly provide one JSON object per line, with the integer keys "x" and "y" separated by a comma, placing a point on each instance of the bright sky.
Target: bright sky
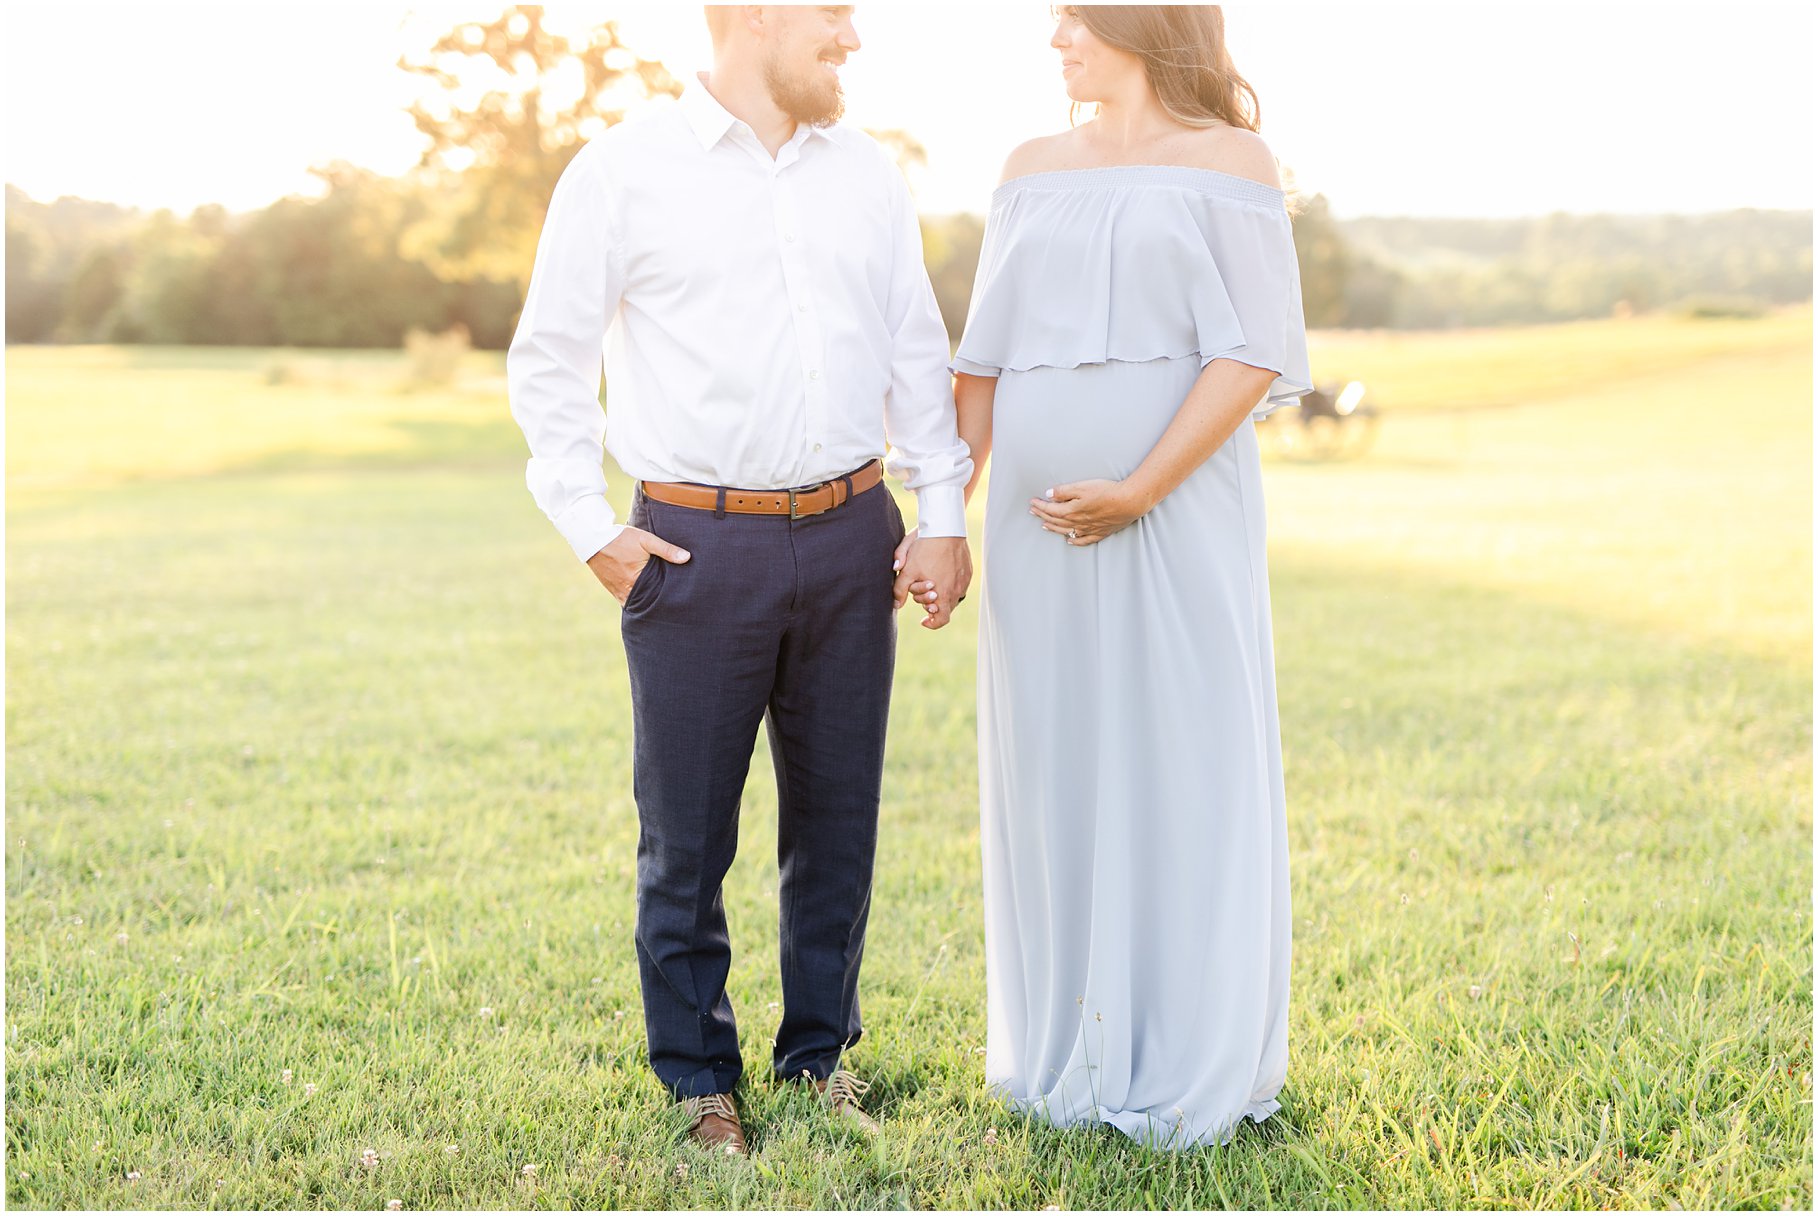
{"x": 1421, "y": 109}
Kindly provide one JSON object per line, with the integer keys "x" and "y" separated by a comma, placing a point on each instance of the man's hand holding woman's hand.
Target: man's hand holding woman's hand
{"x": 618, "y": 565}
{"x": 935, "y": 571}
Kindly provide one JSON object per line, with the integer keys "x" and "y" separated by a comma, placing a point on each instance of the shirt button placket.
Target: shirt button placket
{"x": 798, "y": 281}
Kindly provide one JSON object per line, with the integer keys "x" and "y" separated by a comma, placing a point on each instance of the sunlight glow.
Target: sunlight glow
{"x": 1467, "y": 109}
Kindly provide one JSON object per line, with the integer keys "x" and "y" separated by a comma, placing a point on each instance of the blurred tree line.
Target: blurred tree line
{"x": 507, "y": 102}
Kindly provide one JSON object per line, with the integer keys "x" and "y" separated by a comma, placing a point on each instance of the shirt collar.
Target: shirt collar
{"x": 709, "y": 120}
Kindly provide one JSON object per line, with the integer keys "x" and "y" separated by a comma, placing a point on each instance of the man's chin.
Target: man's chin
{"x": 818, "y": 109}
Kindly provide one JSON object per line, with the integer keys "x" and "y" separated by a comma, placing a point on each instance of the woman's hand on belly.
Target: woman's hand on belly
{"x": 1085, "y": 512}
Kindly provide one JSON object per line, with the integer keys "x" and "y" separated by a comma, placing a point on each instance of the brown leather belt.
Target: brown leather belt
{"x": 796, "y": 504}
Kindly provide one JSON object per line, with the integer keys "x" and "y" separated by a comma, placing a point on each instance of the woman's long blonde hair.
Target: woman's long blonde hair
{"x": 1182, "y": 47}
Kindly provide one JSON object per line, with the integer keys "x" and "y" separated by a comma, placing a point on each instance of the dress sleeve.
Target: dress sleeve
{"x": 1156, "y": 263}
{"x": 974, "y": 354}
{"x": 1252, "y": 253}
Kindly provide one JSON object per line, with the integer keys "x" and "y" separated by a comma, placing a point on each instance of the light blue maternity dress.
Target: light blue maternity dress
{"x": 1133, "y": 816}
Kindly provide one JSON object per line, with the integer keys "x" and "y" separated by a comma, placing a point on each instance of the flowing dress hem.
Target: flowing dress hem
{"x": 1142, "y": 1126}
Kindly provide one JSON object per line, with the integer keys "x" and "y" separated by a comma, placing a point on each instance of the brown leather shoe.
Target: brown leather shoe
{"x": 842, "y": 1090}
{"x": 714, "y": 1124}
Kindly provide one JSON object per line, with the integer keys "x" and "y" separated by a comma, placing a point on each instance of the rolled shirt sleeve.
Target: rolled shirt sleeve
{"x": 553, "y": 366}
{"x": 920, "y": 425}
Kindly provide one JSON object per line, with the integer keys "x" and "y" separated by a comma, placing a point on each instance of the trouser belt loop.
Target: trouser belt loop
{"x": 847, "y": 478}
{"x": 719, "y": 508}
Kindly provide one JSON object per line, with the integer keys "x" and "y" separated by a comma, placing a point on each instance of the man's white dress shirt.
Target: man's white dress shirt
{"x": 766, "y": 323}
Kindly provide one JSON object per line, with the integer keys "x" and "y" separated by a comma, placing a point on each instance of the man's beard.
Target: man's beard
{"x": 812, "y": 101}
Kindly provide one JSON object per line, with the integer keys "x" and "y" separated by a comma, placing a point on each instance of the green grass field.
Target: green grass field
{"x": 319, "y": 831}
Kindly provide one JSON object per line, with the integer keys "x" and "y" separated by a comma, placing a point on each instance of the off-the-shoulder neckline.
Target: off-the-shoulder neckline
{"x": 1210, "y": 181}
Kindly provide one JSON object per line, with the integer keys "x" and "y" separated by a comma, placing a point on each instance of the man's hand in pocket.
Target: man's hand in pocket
{"x": 618, "y": 565}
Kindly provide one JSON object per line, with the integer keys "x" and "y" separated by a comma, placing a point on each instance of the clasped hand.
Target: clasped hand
{"x": 1085, "y": 512}
{"x": 935, "y": 570}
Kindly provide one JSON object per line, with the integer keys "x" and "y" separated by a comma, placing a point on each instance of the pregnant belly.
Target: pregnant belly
{"x": 1052, "y": 425}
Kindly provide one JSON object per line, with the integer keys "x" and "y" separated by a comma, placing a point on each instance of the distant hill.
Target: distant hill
{"x": 1424, "y": 273}
{"x": 1414, "y": 273}
{"x": 342, "y": 270}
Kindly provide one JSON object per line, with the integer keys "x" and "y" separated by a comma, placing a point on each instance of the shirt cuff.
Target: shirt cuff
{"x": 587, "y": 525}
{"x": 940, "y": 511}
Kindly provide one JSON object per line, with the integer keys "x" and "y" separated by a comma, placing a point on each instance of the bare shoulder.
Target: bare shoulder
{"x": 1038, "y": 155}
{"x": 1231, "y": 150}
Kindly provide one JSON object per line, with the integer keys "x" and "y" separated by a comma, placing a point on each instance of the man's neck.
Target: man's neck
{"x": 741, "y": 90}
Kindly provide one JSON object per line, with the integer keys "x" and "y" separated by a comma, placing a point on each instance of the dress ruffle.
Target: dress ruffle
{"x": 1138, "y": 262}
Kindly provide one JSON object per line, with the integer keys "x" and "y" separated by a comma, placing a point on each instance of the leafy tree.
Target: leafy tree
{"x": 951, "y": 245}
{"x": 32, "y": 310}
{"x": 905, "y": 149}
{"x": 47, "y": 244}
{"x": 1325, "y": 262}
{"x": 93, "y": 296}
{"x": 493, "y": 160}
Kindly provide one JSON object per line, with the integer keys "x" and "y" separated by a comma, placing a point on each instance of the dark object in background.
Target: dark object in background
{"x": 1331, "y": 423}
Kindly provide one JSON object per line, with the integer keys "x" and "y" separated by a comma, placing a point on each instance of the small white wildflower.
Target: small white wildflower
{"x": 132, "y": 1175}
{"x": 453, "y": 1150}
{"x": 309, "y": 1089}
{"x": 681, "y": 1170}
{"x": 529, "y": 1171}
{"x": 285, "y": 1076}
{"x": 370, "y": 1158}
{"x": 485, "y": 1011}
{"x": 394, "y": 1205}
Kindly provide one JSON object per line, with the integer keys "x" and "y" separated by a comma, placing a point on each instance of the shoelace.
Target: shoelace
{"x": 844, "y": 1087}
{"x": 711, "y": 1104}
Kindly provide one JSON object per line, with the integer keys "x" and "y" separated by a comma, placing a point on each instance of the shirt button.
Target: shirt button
{"x": 789, "y": 236}
{"x": 801, "y": 308}
{"x": 817, "y": 447}
{"x": 814, "y": 375}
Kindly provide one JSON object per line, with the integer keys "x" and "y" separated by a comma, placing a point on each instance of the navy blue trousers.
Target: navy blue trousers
{"x": 793, "y": 621}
